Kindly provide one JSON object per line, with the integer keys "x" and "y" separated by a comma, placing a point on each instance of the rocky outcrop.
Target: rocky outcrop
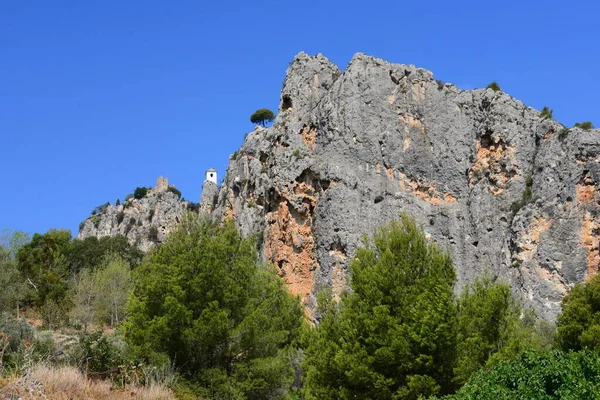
{"x": 500, "y": 187}
{"x": 145, "y": 222}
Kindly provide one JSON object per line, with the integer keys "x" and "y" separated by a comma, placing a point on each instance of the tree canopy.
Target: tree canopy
{"x": 262, "y": 116}
{"x": 392, "y": 337}
{"x": 226, "y": 321}
{"x": 578, "y": 326}
{"x": 537, "y": 375}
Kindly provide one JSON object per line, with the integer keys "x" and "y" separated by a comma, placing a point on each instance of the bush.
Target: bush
{"x": 546, "y": 113}
{"x": 120, "y": 217}
{"x": 100, "y": 209}
{"x": 17, "y": 330}
{"x": 118, "y": 202}
{"x": 174, "y": 190}
{"x": 140, "y": 192}
{"x": 494, "y": 86}
{"x": 153, "y": 234}
{"x": 564, "y": 132}
{"x": 586, "y": 126}
{"x": 262, "y": 116}
{"x": 537, "y": 375}
{"x": 440, "y": 84}
{"x": 193, "y": 207}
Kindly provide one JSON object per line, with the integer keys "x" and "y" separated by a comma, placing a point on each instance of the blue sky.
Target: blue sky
{"x": 97, "y": 98}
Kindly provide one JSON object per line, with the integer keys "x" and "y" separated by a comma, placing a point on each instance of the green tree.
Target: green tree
{"x": 85, "y": 296}
{"x": 546, "y": 113}
{"x": 90, "y": 253}
{"x": 578, "y": 325}
{"x": 490, "y": 327}
{"x": 11, "y": 282}
{"x": 537, "y": 375}
{"x": 393, "y": 336}
{"x": 226, "y": 321}
{"x": 262, "y": 116}
{"x": 42, "y": 263}
{"x": 586, "y": 126}
{"x": 140, "y": 192}
{"x": 494, "y": 86}
{"x": 114, "y": 283}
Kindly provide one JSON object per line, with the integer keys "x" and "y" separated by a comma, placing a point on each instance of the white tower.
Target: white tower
{"x": 211, "y": 175}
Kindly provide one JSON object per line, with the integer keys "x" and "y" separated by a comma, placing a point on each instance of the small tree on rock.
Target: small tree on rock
{"x": 494, "y": 86}
{"x": 262, "y": 117}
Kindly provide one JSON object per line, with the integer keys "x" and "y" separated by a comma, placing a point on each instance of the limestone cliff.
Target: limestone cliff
{"x": 491, "y": 180}
{"x": 145, "y": 222}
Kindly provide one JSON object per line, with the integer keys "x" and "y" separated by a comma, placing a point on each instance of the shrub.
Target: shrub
{"x": 118, "y": 202}
{"x": 440, "y": 84}
{"x": 150, "y": 215}
{"x": 132, "y": 221}
{"x": 564, "y": 132}
{"x": 120, "y": 217}
{"x": 128, "y": 197}
{"x": 140, "y": 192}
{"x": 494, "y": 86}
{"x": 262, "y": 116}
{"x": 193, "y": 207}
{"x": 546, "y": 113}
{"x": 100, "y": 209}
{"x": 17, "y": 330}
{"x": 153, "y": 234}
{"x": 174, "y": 190}
{"x": 586, "y": 126}
{"x": 537, "y": 375}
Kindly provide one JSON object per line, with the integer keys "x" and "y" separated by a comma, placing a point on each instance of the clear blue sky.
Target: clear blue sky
{"x": 98, "y": 97}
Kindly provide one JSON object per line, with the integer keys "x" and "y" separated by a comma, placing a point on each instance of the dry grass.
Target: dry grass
{"x": 67, "y": 383}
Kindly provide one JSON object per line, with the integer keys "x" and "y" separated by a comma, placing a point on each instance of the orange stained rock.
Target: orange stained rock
{"x": 289, "y": 242}
{"x": 590, "y": 241}
{"x": 309, "y": 137}
{"x": 586, "y": 192}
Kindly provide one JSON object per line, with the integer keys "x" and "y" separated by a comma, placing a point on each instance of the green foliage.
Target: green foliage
{"x": 537, "y": 375}
{"x": 43, "y": 264}
{"x": 490, "y": 327}
{"x": 494, "y": 86}
{"x": 16, "y": 330}
{"x": 90, "y": 253}
{"x": 525, "y": 199}
{"x": 297, "y": 153}
{"x": 440, "y": 84}
{"x": 100, "y": 355}
{"x": 174, "y": 190}
{"x": 128, "y": 197}
{"x": 120, "y": 217}
{"x": 140, "y": 192}
{"x": 262, "y": 116}
{"x": 193, "y": 207}
{"x": 101, "y": 208}
{"x": 114, "y": 283}
{"x": 226, "y": 321}
{"x": 153, "y": 234}
{"x": 564, "y": 132}
{"x": 11, "y": 282}
{"x": 586, "y": 126}
{"x": 118, "y": 202}
{"x": 393, "y": 336}
{"x": 578, "y": 326}
{"x": 546, "y": 113}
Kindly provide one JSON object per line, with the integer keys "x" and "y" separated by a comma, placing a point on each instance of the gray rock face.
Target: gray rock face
{"x": 160, "y": 209}
{"x": 500, "y": 187}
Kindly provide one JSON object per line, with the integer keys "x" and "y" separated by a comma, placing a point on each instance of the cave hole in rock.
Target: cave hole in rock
{"x": 286, "y": 102}
{"x": 378, "y": 199}
{"x": 476, "y": 243}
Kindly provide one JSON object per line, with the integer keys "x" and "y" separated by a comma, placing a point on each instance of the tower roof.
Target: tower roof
{"x": 211, "y": 170}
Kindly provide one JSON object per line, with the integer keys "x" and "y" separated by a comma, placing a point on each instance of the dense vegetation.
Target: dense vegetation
{"x": 200, "y": 305}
